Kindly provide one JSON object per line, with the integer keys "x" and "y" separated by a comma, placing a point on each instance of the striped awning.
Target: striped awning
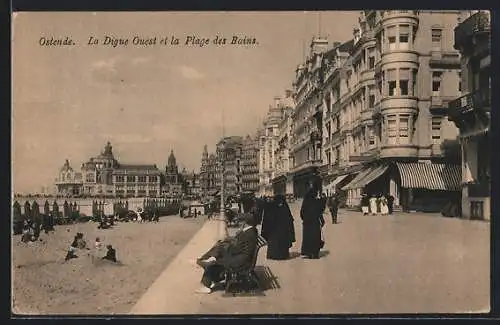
{"x": 353, "y": 184}
{"x": 442, "y": 177}
{"x": 376, "y": 173}
{"x": 338, "y": 180}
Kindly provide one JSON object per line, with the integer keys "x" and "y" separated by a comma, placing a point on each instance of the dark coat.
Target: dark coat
{"x": 311, "y": 214}
{"x": 27, "y": 210}
{"x": 279, "y": 231}
{"x": 240, "y": 253}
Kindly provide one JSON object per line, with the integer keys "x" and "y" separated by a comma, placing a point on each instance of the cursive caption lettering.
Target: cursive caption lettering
{"x": 145, "y": 41}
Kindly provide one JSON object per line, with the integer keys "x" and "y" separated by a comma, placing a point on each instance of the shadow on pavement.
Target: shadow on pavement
{"x": 267, "y": 280}
{"x": 323, "y": 253}
{"x": 294, "y": 255}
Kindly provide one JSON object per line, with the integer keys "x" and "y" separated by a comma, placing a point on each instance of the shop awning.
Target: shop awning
{"x": 338, "y": 180}
{"x": 376, "y": 173}
{"x": 443, "y": 177}
{"x": 357, "y": 179}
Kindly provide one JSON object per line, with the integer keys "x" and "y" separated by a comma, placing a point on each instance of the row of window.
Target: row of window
{"x": 398, "y": 130}
{"x": 132, "y": 179}
{"x": 398, "y": 82}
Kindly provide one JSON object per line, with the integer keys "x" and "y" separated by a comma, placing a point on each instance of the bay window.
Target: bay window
{"x": 371, "y": 97}
{"x": 371, "y": 58}
{"x": 404, "y": 37}
{"x": 404, "y": 79}
{"x": 391, "y": 37}
{"x": 391, "y": 82}
{"x": 391, "y": 129}
{"x": 371, "y": 137}
{"x": 404, "y": 127}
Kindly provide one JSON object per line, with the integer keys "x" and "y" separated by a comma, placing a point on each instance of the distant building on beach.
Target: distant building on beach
{"x": 68, "y": 182}
{"x": 103, "y": 175}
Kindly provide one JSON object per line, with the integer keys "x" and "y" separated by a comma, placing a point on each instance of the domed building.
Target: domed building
{"x": 103, "y": 175}
{"x": 68, "y": 182}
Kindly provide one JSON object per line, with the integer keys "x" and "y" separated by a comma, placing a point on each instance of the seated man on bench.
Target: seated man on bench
{"x": 230, "y": 253}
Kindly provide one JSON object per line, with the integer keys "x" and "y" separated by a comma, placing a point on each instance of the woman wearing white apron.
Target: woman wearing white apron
{"x": 373, "y": 205}
{"x": 384, "y": 208}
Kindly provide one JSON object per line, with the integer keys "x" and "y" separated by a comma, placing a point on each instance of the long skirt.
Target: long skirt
{"x": 384, "y": 209}
{"x": 311, "y": 239}
{"x": 278, "y": 245}
{"x": 373, "y": 207}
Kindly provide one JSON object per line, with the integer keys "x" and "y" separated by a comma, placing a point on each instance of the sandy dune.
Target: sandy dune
{"x": 44, "y": 284}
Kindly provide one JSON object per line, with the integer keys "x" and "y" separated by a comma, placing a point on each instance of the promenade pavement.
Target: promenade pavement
{"x": 402, "y": 263}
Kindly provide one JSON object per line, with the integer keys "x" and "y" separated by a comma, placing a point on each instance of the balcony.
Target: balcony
{"x": 444, "y": 60}
{"x": 439, "y": 104}
{"x": 480, "y": 189}
{"x": 309, "y": 163}
{"x": 480, "y": 99}
{"x": 477, "y": 24}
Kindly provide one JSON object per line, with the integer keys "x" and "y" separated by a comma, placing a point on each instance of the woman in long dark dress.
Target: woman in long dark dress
{"x": 311, "y": 214}
{"x": 278, "y": 229}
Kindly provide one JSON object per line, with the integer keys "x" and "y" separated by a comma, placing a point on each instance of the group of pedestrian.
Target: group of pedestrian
{"x": 278, "y": 230}
{"x": 377, "y": 204}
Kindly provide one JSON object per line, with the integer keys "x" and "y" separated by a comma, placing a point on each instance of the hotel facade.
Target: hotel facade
{"x": 370, "y": 113}
{"x": 104, "y": 176}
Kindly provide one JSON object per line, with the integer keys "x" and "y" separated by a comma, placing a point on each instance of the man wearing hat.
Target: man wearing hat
{"x": 234, "y": 252}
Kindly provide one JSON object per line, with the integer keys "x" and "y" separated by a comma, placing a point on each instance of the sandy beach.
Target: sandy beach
{"x": 43, "y": 283}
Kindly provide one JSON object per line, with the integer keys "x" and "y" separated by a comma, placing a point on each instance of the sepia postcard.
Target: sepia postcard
{"x": 229, "y": 163}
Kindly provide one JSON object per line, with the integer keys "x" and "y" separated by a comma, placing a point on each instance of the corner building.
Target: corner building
{"x": 384, "y": 101}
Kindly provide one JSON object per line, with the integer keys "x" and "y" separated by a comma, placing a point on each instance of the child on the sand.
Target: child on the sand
{"x": 98, "y": 244}
{"x": 71, "y": 253}
{"x": 110, "y": 254}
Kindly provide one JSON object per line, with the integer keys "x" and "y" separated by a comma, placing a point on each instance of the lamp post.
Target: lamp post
{"x": 222, "y": 227}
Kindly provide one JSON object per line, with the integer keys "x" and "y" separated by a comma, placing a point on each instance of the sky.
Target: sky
{"x": 68, "y": 101}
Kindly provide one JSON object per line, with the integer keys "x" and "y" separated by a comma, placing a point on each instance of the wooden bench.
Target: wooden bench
{"x": 245, "y": 275}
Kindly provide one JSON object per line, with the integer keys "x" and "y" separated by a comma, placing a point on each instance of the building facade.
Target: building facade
{"x": 471, "y": 112}
{"x": 283, "y": 179}
{"x": 229, "y": 153}
{"x": 68, "y": 182}
{"x": 103, "y": 175}
{"x": 384, "y": 108}
{"x": 249, "y": 165}
{"x": 305, "y": 146}
{"x": 173, "y": 184}
{"x": 268, "y": 142}
{"x": 208, "y": 173}
{"x": 192, "y": 185}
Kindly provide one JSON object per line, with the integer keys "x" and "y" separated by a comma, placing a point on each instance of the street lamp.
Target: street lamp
{"x": 222, "y": 228}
